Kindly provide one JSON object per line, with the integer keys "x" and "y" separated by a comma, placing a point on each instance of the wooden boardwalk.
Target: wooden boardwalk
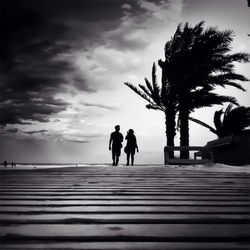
{"x": 124, "y": 208}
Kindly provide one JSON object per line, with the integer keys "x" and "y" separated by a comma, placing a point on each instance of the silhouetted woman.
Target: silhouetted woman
{"x": 131, "y": 146}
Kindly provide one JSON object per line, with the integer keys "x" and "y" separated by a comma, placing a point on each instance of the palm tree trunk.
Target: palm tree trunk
{"x": 170, "y": 111}
{"x": 170, "y": 128}
{"x": 184, "y": 129}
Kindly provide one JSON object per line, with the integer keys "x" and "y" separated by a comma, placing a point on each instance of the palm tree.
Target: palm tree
{"x": 229, "y": 122}
{"x": 159, "y": 99}
{"x": 197, "y": 60}
{"x": 232, "y": 121}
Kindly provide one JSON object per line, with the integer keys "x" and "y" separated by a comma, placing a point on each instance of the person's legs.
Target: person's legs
{"x": 113, "y": 157}
{"x": 128, "y": 154}
{"x": 118, "y": 153}
{"x": 132, "y": 159}
{"x": 117, "y": 160}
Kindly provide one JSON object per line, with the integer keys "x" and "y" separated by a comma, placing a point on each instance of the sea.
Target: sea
{"x": 51, "y": 165}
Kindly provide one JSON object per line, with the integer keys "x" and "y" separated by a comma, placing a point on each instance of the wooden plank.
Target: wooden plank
{"x": 126, "y": 209}
{"x": 127, "y": 245}
{"x": 161, "y": 232}
{"x": 131, "y": 188}
{"x": 124, "y": 202}
{"x": 125, "y": 219}
{"x": 173, "y": 175}
{"x": 127, "y": 195}
{"x": 243, "y": 193}
{"x": 131, "y": 197}
{"x": 147, "y": 184}
{"x": 180, "y": 183}
{"x": 117, "y": 216}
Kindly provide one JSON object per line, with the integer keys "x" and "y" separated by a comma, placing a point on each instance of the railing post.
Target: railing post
{"x": 166, "y": 155}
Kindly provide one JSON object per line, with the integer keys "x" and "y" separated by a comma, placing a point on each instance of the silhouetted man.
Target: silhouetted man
{"x": 116, "y": 139}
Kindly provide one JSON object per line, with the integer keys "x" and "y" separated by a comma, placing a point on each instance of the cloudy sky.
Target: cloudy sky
{"x": 63, "y": 64}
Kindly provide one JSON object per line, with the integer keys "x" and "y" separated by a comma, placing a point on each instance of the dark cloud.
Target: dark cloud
{"x": 35, "y": 36}
{"x": 28, "y": 107}
{"x": 37, "y": 42}
{"x": 78, "y": 141}
{"x": 81, "y": 84}
{"x": 102, "y": 106}
{"x": 12, "y": 130}
{"x": 31, "y": 73}
{"x": 36, "y": 131}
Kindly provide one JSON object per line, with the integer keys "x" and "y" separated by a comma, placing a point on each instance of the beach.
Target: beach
{"x": 125, "y": 207}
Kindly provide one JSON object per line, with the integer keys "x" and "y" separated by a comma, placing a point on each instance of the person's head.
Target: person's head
{"x": 117, "y": 128}
{"x": 131, "y": 131}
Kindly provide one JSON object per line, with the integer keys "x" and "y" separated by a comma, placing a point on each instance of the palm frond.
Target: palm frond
{"x": 203, "y": 124}
{"x": 145, "y": 90}
{"x": 228, "y": 109}
{"x": 218, "y": 122}
{"x": 227, "y": 79}
{"x": 220, "y": 99}
{"x": 233, "y": 76}
{"x": 154, "y": 79}
{"x": 151, "y": 106}
{"x": 232, "y": 84}
{"x": 235, "y": 120}
{"x": 149, "y": 86}
{"x": 156, "y": 89}
{"x": 239, "y": 57}
{"x": 198, "y": 99}
{"x": 145, "y": 95}
{"x": 138, "y": 92}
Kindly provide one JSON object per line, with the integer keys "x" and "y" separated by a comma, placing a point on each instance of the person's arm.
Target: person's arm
{"x": 110, "y": 141}
{"x": 136, "y": 146}
{"x": 121, "y": 140}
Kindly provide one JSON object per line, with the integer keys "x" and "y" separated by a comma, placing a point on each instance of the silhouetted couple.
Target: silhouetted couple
{"x": 116, "y": 139}
{"x": 5, "y": 163}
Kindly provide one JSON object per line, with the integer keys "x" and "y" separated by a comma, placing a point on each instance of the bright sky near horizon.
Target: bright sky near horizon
{"x": 62, "y": 91}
